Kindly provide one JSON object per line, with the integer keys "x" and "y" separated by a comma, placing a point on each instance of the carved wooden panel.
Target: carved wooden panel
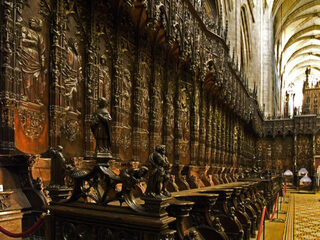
{"x": 264, "y": 151}
{"x": 209, "y": 124}
{"x": 145, "y": 66}
{"x": 202, "y": 126}
{"x": 317, "y": 144}
{"x": 235, "y": 143}
{"x": 288, "y": 153}
{"x": 283, "y": 152}
{"x": 194, "y": 122}
{"x": 69, "y": 53}
{"x": 31, "y": 114}
{"x": 126, "y": 63}
{"x": 304, "y": 152}
{"x": 104, "y": 71}
{"x": 168, "y": 110}
{"x": 157, "y": 84}
{"x": 218, "y": 134}
{"x": 101, "y": 65}
{"x": 73, "y": 91}
{"x": 158, "y": 106}
{"x": 184, "y": 106}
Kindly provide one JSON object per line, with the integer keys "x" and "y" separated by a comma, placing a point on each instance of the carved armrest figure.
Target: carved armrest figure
{"x": 130, "y": 177}
{"x": 159, "y": 174}
{"x": 58, "y": 167}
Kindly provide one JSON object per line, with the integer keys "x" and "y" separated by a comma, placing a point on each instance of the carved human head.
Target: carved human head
{"x": 143, "y": 171}
{"x": 35, "y": 23}
{"x": 60, "y": 148}
{"x": 102, "y": 102}
{"x": 73, "y": 44}
{"x": 161, "y": 149}
{"x": 103, "y": 60}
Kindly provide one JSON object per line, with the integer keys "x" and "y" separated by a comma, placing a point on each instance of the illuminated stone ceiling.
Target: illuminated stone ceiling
{"x": 297, "y": 43}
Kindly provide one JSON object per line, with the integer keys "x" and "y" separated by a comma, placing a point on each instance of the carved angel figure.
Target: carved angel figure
{"x": 159, "y": 173}
{"x": 100, "y": 128}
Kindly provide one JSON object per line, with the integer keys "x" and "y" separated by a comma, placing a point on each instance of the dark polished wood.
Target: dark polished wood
{"x": 138, "y": 76}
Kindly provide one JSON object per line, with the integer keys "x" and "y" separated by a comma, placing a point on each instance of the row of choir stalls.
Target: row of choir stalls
{"x": 187, "y": 188}
{"x": 106, "y": 201}
{"x": 292, "y": 144}
{"x": 107, "y": 107}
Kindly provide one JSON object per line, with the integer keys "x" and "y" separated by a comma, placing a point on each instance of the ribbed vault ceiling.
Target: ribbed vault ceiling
{"x": 297, "y": 42}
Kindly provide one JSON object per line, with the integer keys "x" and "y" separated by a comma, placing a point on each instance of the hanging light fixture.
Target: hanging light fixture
{"x": 305, "y": 180}
{"x": 288, "y": 173}
{"x": 303, "y": 171}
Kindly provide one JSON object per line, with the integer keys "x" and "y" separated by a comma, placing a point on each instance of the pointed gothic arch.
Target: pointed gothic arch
{"x": 245, "y": 43}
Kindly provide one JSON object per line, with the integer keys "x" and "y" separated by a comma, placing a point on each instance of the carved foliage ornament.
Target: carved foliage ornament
{"x": 318, "y": 144}
{"x": 72, "y": 230}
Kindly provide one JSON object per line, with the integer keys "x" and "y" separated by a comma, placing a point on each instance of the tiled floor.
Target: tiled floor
{"x": 307, "y": 216}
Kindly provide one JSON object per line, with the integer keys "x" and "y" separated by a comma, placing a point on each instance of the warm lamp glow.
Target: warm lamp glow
{"x": 303, "y": 171}
{"x": 305, "y": 179}
{"x": 288, "y": 173}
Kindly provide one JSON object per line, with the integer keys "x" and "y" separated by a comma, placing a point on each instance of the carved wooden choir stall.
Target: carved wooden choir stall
{"x": 127, "y": 120}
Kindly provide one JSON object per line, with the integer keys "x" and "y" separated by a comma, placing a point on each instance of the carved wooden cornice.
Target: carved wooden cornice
{"x": 304, "y": 125}
{"x": 202, "y": 44}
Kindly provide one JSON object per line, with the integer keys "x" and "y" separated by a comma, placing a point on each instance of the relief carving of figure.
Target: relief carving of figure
{"x": 145, "y": 78}
{"x": 100, "y": 127}
{"x": 104, "y": 80}
{"x": 126, "y": 98}
{"x": 126, "y": 104}
{"x": 159, "y": 173}
{"x": 73, "y": 73}
{"x": 32, "y": 61}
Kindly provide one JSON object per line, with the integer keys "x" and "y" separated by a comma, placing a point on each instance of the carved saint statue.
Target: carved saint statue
{"x": 73, "y": 73}
{"x": 32, "y": 61}
{"x": 159, "y": 173}
{"x": 58, "y": 167}
{"x": 100, "y": 129}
